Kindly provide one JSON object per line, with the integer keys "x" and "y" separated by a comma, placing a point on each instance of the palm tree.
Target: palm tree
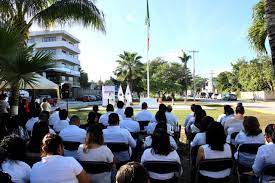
{"x": 18, "y": 64}
{"x": 184, "y": 59}
{"x": 23, "y": 13}
{"x": 129, "y": 68}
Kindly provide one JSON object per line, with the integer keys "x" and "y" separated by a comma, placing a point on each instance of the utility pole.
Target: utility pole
{"x": 194, "y": 72}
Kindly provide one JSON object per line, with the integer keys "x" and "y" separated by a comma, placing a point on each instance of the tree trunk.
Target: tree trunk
{"x": 270, "y": 16}
{"x": 15, "y": 100}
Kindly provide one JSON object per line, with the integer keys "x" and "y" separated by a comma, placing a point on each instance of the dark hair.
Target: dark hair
{"x": 251, "y": 126}
{"x": 199, "y": 115}
{"x": 109, "y": 108}
{"x": 132, "y": 172}
{"x": 94, "y": 136}
{"x": 113, "y": 119}
{"x": 91, "y": 118}
{"x": 120, "y": 104}
{"x": 215, "y": 136}
{"x": 161, "y": 142}
{"x": 63, "y": 114}
{"x": 193, "y": 107}
{"x": 240, "y": 110}
{"x": 36, "y": 112}
{"x": 44, "y": 116}
{"x": 40, "y": 129}
{"x": 205, "y": 122}
{"x": 95, "y": 108}
{"x": 161, "y": 116}
{"x": 14, "y": 146}
{"x": 229, "y": 111}
{"x": 13, "y": 123}
{"x": 269, "y": 130}
{"x": 129, "y": 112}
{"x": 169, "y": 108}
{"x": 51, "y": 144}
{"x": 239, "y": 104}
{"x": 225, "y": 108}
{"x": 74, "y": 119}
{"x": 197, "y": 108}
{"x": 144, "y": 105}
{"x": 44, "y": 99}
{"x": 161, "y": 125}
{"x": 162, "y": 107}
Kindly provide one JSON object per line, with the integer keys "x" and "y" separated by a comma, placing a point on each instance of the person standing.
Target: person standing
{"x": 45, "y": 105}
{"x": 4, "y": 110}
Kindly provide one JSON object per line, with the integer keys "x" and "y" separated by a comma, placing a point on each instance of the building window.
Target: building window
{"x": 63, "y": 39}
{"x": 49, "y": 39}
{"x": 31, "y": 40}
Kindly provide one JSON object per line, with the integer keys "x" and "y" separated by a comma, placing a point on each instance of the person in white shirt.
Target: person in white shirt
{"x": 104, "y": 118}
{"x": 129, "y": 124}
{"x": 63, "y": 122}
{"x": 34, "y": 119}
{"x": 54, "y": 167}
{"x": 171, "y": 118}
{"x": 199, "y": 115}
{"x": 144, "y": 114}
{"x": 94, "y": 150}
{"x": 73, "y": 133}
{"x": 120, "y": 110}
{"x": 191, "y": 121}
{"x": 114, "y": 134}
{"x": 161, "y": 151}
{"x": 54, "y": 117}
{"x": 252, "y": 134}
{"x": 215, "y": 147}
{"x": 228, "y": 115}
{"x": 4, "y": 105}
{"x": 45, "y": 105}
{"x": 189, "y": 116}
{"x": 132, "y": 172}
{"x": 222, "y": 116}
{"x": 15, "y": 149}
{"x": 160, "y": 117}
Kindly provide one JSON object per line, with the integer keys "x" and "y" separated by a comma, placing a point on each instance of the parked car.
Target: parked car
{"x": 89, "y": 98}
{"x": 51, "y": 100}
{"x": 229, "y": 97}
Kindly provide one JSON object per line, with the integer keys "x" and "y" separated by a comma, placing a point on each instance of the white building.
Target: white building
{"x": 64, "y": 46}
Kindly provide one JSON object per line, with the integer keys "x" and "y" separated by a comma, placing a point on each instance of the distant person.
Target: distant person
{"x": 197, "y": 110}
{"x": 92, "y": 120}
{"x": 229, "y": 113}
{"x": 195, "y": 128}
{"x": 128, "y": 123}
{"x": 114, "y": 134}
{"x": 34, "y": 119}
{"x": 63, "y": 122}
{"x": 104, "y": 118}
{"x": 45, "y": 105}
{"x": 96, "y": 109}
{"x": 189, "y": 116}
{"x": 16, "y": 127}
{"x": 144, "y": 114}
{"x": 222, "y": 116}
{"x": 160, "y": 117}
{"x": 54, "y": 167}
{"x": 54, "y": 117}
{"x": 120, "y": 111}
{"x": 4, "y": 109}
{"x": 13, "y": 164}
{"x": 171, "y": 118}
{"x": 94, "y": 150}
{"x": 132, "y": 172}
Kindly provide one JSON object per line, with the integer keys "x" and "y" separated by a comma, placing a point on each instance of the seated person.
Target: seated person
{"x": 95, "y": 109}
{"x": 15, "y": 149}
{"x": 229, "y": 113}
{"x": 222, "y": 116}
{"x": 200, "y": 138}
{"x": 63, "y": 122}
{"x": 34, "y": 119}
{"x": 54, "y": 117}
{"x": 171, "y": 118}
{"x": 195, "y": 128}
{"x": 129, "y": 124}
{"x": 14, "y": 126}
{"x": 252, "y": 134}
{"x": 104, "y": 118}
{"x": 265, "y": 155}
{"x": 161, "y": 125}
{"x": 132, "y": 172}
{"x": 159, "y": 117}
{"x": 215, "y": 147}
{"x": 161, "y": 151}
{"x": 114, "y": 134}
{"x": 144, "y": 114}
{"x": 120, "y": 110}
{"x": 92, "y": 120}
{"x": 197, "y": 110}
{"x": 73, "y": 133}
{"x": 94, "y": 150}
{"x": 189, "y": 116}
{"x": 54, "y": 167}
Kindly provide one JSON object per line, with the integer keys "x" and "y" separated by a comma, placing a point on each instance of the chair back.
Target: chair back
{"x": 142, "y": 124}
{"x": 135, "y": 135}
{"x": 233, "y": 135}
{"x": 71, "y": 146}
{"x": 95, "y": 167}
{"x": 249, "y": 148}
{"x": 162, "y": 167}
{"x": 215, "y": 165}
{"x": 268, "y": 170}
{"x": 117, "y": 147}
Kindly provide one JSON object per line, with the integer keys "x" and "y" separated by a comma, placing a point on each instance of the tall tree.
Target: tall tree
{"x": 184, "y": 59}
{"x": 84, "y": 81}
{"x": 23, "y": 13}
{"x": 129, "y": 68}
{"x": 223, "y": 82}
{"x": 18, "y": 65}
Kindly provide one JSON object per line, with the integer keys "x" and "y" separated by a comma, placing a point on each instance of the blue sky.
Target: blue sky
{"x": 217, "y": 28}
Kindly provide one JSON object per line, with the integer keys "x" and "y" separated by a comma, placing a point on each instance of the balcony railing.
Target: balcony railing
{"x": 57, "y": 44}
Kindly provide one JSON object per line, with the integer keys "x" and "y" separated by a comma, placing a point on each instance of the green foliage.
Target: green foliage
{"x": 84, "y": 81}
{"x": 199, "y": 83}
{"x": 223, "y": 82}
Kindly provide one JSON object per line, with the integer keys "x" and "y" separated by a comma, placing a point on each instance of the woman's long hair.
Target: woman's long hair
{"x": 94, "y": 136}
{"x": 215, "y": 136}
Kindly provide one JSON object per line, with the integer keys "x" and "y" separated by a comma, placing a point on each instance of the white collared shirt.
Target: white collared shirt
{"x": 190, "y": 122}
{"x": 121, "y": 113}
{"x": 54, "y": 117}
{"x": 130, "y": 125}
{"x": 200, "y": 139}
{"x": 73, "y": 133}
{"x": 151, "y": 128}
{"x": 171, "y": 118}
{"x": 60, "y": 125}
{"x": 144, "y": 115}
{"x": 188, "y": 117}
{"x": 18, "y": 170}
{"x": 232, "y": 125}
{"x": 149, "y": 155}
{"x": 104, "y": 118}
{"x": 31, "y": 122}
{"x": 56, "y": 168}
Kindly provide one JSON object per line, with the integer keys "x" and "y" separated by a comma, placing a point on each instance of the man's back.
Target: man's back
{"x": 144, "y": 115}
{"x": 73, "y": 133}
{"x": 130, "y": 125}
